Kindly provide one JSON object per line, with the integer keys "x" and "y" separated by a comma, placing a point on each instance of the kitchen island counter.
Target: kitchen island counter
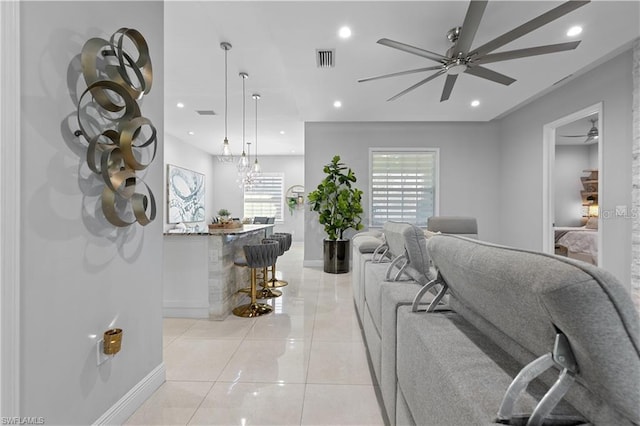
{"x": 200, "y": 278}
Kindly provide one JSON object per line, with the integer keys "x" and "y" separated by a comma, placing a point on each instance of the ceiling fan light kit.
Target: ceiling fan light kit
{"x": 461, "y": 59}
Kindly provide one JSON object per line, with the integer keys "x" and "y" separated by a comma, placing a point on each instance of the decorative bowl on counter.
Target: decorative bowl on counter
{"x": 234, "y": 224}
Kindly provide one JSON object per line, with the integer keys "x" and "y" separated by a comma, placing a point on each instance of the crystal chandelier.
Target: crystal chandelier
{"x": 247, "y": 179}
{"x": 225, "y": 155}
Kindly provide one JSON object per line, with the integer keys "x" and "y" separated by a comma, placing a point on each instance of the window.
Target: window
{"x": 403, "y": 185}
{"x": 264, "y": 198}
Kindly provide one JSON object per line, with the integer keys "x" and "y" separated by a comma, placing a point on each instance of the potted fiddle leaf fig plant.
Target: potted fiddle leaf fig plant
{"x": 339, "y": 208}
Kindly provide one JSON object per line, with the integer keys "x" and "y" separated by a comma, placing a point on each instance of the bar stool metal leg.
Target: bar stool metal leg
{"x": 265, "y": 292}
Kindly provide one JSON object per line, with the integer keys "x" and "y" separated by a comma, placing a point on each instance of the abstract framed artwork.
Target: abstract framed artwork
{"x": 185, "y": 201}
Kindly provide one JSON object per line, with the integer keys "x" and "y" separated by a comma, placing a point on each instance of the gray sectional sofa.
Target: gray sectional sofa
{"x": 507, "y": 313}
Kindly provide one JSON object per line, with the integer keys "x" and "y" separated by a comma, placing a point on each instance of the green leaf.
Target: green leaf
{"x": 336, "y": 201}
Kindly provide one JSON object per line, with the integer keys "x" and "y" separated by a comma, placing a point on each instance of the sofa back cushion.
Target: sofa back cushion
{"x": 368, "y": 241}
{"x": 458, "y": 225}
{"x": 527, "y": 296}
{"x": 406, "y": 239}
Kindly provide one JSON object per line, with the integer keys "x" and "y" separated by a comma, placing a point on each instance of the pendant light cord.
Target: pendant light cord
{"x": 243, "y": 112}
{"x": 225, "y": 92}
{"x": 257, "y": 97}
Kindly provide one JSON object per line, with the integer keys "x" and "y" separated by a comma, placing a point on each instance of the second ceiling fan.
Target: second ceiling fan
{"x": 460, "y": 58}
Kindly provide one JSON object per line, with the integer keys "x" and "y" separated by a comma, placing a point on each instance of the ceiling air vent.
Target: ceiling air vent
{"x": 325, "y": 58}
{"x": 206, "y": 112}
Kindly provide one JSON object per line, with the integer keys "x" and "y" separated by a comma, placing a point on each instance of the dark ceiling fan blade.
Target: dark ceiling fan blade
{"x": 488, "y": 74}
{"x": 448, "y": 87}
{"x": 470, "y": 26}
{"x": 573, "y": 136}
{"x": 523, "y": 53}
{"x": 413, "y": 50}
{"x": 395, "y": 74}
{"x": 529, "y": 26}
{"x": 415, "y": 86}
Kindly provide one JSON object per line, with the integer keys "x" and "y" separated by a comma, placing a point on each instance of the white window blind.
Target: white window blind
{"x": 265, "y": 196}
{"x": 403, "y": 186}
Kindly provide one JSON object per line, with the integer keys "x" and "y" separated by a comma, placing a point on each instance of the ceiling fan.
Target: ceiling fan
{"x": 460, "y": 58}
{"x": 592, "y": 134}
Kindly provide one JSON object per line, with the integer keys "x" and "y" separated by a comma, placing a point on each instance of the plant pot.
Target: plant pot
{"x": 336, "y": 256}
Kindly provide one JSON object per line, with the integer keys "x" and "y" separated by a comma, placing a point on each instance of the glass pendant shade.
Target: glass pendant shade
{"x": 225, "y": 155}
{"x": 243, "y": 163}
{"x": 226, "y": 151}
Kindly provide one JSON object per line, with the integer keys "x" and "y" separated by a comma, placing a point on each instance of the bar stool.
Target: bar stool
{"x": 258, "y": 256}
{"x": 289, "y": 239}
{"x": 266, "y": 292}
{"x": 285, "y": 242}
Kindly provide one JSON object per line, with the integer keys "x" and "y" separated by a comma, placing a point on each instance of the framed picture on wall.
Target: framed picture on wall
{"x": 185, "y": 198}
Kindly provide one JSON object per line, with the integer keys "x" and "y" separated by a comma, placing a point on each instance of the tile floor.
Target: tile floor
{"x": 303, "y": 364}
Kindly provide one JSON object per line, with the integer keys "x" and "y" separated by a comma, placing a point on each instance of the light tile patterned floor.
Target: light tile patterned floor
{"x": 303, "y": 364}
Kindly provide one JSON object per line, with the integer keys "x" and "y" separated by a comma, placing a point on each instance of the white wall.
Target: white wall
{"x": 521, "y": 160}
{"x": 227, "y": 194}
{"x": 469, "y": 166}
{"x": 185, "y": 155}
{"x": 570, "y": 162}
{"x": 80, "y": 275}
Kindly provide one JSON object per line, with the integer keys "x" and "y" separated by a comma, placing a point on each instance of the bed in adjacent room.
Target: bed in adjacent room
{"x": 578, "y": 242}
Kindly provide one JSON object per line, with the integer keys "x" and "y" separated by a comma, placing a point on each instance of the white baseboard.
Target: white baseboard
{"x": 132, "y": 400}
{"x": 185, "y": 312}
{"x": 313, "y": 263}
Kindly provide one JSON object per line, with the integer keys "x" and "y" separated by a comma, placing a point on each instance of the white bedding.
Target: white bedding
{"x": 579, "y": 240}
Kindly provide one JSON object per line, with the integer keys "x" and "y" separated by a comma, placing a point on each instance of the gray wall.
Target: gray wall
{"x": 227, "y": 194}
{"x": 468, "y": 166}
{"x": 521, "y": 139}
{"x": 80, "y": 275}
{"x": 570, "y": 161}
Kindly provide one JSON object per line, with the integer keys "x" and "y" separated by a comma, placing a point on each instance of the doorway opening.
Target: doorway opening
{"x": 572, "y": 185}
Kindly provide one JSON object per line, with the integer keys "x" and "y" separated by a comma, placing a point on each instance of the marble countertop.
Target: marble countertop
{"x": 222, "y": 231}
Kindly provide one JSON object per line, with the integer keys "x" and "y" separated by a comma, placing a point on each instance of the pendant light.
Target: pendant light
{"x": 247, "y": 179}
{"x": 256, "y": 166}
{"x": 225, "y": 154}
{"x": 243, "y": 163}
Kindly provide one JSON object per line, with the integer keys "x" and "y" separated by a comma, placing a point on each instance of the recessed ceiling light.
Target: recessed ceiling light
{"x": 574, "y": 31}
{"x": 293, "y": 151}
{"x": 337, "y": 104}
{"x": 180, "y": 105}
{"x": 345, "y": 32}
{"x": 191, "y": 133}
{"x": 282, "y": 132}
{"x": 475, "y": 103}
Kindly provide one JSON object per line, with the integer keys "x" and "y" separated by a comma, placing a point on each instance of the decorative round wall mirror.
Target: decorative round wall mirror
{"x": 295, "y": 198}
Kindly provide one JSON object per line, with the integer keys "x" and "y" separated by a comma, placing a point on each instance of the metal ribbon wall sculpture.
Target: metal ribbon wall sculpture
{"x": 111, "y": 122}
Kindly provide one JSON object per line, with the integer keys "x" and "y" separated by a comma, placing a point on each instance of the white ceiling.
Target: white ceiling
{"x": 275, "y": 43}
